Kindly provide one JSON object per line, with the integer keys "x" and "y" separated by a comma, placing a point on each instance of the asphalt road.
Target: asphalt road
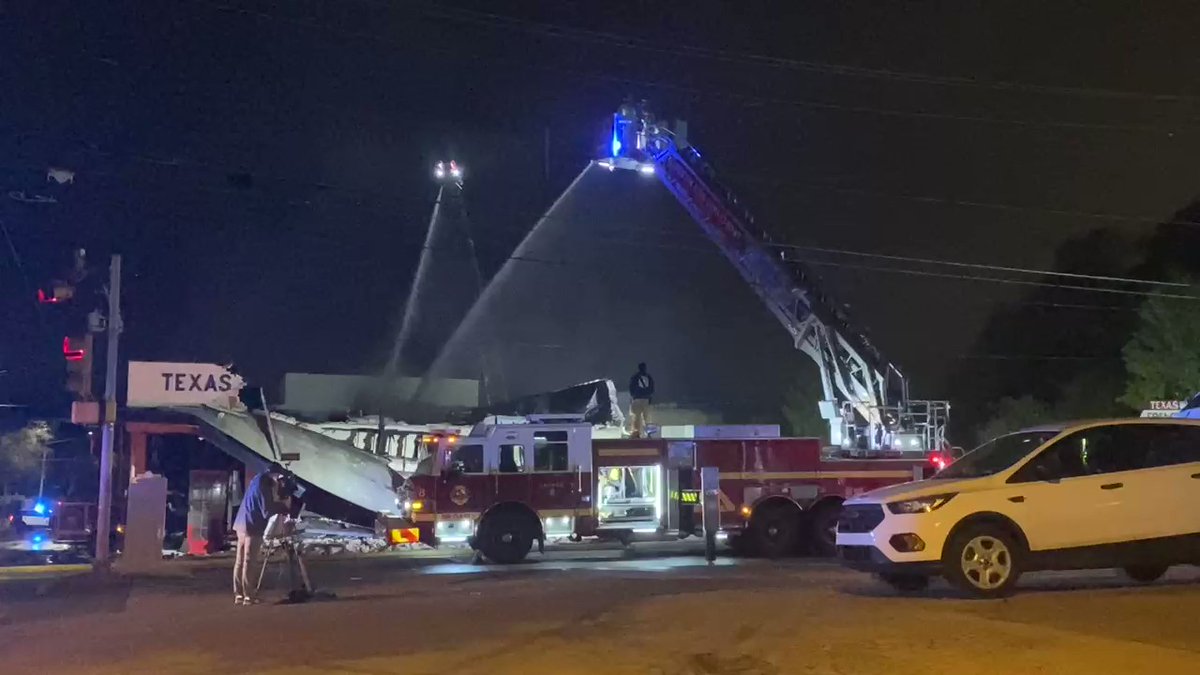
{"x": 652, "y": 611}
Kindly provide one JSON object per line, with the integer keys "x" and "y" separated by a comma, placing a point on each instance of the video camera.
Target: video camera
{"x": 289, "y": 486}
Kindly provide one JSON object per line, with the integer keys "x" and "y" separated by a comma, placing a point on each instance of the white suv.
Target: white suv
{"x": 1115, "y": 493}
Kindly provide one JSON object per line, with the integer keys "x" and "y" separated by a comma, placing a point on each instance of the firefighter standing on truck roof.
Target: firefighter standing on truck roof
{"x": 641, "y": 390}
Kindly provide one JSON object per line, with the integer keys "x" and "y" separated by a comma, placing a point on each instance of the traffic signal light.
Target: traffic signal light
{"x": 77, "y": 353}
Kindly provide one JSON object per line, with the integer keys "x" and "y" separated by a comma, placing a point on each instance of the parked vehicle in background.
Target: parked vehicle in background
{"x": 1113, "y": 493}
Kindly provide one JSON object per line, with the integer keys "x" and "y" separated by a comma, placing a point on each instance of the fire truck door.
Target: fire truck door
{"x": 555, "y": 482}
{"x": 511, "y": 467}
{"x": 465, "y": 489}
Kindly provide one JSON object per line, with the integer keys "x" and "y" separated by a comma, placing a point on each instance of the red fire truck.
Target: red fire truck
{"x": 514, "y": 482}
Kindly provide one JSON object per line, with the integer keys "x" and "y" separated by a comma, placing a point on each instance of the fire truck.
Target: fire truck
{"x": 507, "y": 485}
{"x": 514, "y": 482}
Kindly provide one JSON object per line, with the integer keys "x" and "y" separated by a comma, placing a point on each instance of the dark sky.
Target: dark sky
{"x": 264, "y": 166}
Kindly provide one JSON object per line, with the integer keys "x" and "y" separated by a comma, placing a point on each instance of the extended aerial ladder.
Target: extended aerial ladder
{"x": 866, "y": 400}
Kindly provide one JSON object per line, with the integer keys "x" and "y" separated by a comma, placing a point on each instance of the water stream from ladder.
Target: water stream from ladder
{"x": 411, "y": 304}
{"x": 441, "y": 364}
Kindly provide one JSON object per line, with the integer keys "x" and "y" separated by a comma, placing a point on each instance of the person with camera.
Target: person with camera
{"x": 261, "y": 501}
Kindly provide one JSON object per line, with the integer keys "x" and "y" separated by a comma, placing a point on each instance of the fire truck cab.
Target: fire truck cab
{"x": 513, "y": 482}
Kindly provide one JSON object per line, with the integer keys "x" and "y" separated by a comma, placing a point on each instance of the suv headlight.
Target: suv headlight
{"x": 920, "y": 504}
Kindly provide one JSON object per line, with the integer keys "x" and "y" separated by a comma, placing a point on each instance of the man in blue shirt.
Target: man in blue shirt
{"x": 260, "y": 502}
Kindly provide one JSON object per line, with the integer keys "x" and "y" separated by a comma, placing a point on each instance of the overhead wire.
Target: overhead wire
{"x": 478, "y": 17}
{"x": 699, "y": 91}
{"x": 608, "y": 240}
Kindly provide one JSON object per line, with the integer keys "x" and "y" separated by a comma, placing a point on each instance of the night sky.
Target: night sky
{"x": 264, "y": 166}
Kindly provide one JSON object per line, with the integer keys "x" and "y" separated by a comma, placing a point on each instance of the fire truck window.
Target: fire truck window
{"x": 550, "y": 451}
{"x": 512, "y": 458}
{"x": 469, "y": 457}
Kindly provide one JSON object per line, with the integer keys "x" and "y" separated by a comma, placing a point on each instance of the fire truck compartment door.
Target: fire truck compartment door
{"x": 579, "y": 449}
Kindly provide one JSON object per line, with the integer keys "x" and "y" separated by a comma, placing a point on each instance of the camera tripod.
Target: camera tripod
{"x": 290, "y": 547}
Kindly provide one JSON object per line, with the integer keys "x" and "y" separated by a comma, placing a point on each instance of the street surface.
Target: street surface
{"x": 651, "y": 610}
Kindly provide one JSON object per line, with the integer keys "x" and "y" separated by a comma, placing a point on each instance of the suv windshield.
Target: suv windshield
{"x": 996, "y": 455}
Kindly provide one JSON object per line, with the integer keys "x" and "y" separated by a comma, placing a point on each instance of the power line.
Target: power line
{"x": 180, "y": 162}
{"x": 699, "y": 236}
{"x": 949, "y": 201}
{"x": 564, "y": 263}
{"x": 998, "y": 280}
{"x": 983, "y": 266}
{"x": 20, "y": 266}
{"x": 754, "y": 100}
{"x": 630, "y": 42}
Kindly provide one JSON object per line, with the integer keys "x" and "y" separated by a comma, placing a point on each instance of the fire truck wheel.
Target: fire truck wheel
{"x": 822, "y": 530}
{"x": 505, "y": 538}
{"x": 775, "y": 530}
{"x": 740, "y": 545}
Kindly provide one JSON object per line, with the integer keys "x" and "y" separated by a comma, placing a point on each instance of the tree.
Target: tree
{"x": 800, "y": 412}
{"x": 1163, "y": 356}
{"x": 21, "y": 452}
{"x": 1011, "y": 414}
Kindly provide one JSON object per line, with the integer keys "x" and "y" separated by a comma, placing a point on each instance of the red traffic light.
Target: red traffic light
{"x": 74, "y": 349}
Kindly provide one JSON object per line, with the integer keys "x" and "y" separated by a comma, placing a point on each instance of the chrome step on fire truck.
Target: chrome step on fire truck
{"x": 514, "y": 482}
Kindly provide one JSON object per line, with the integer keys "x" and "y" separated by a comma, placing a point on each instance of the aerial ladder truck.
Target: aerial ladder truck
{"x": 866, "y": 401}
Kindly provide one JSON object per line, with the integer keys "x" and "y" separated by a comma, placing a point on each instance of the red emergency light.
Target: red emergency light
{"x": 939, "y": 460}
{"x": 72, "y": 354}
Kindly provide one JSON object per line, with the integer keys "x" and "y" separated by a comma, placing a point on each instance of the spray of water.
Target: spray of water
{"x": 414, "y": 291}
{"x": 440, "y": 364}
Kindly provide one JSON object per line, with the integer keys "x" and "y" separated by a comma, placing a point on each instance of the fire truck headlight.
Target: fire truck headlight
{"x": 416, "y": 505}
{"x": 746, "y": 511}
{"x": 646, "y": 169}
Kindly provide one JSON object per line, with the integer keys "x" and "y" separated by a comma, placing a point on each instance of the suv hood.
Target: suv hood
{"x": 921, "y": 488}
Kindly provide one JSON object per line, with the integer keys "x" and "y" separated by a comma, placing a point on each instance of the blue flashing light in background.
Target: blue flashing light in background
{"x": 616, "y": 142}
{"x": 39, "y": 508}
{"x": 37, "y": 538}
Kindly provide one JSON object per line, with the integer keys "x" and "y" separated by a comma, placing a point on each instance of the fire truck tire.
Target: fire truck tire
{"x": 775, "y": 529}
{"x": 504, "y": 538}
{"x": 740, "y": 545}
{"x": 822, "y": 529}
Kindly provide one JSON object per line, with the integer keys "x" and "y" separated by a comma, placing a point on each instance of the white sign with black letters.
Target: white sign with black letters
{"x": 154, "y": 383}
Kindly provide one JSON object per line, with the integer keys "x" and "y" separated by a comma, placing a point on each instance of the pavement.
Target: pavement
{"x": 650, "y": 610}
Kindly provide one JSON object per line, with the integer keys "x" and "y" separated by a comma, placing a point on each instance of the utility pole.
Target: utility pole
{"x": 109, "y": 431}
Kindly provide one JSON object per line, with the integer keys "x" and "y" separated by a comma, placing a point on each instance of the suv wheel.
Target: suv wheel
{"x": 1145, "y": 573}
{"x": 983, "y": 560}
